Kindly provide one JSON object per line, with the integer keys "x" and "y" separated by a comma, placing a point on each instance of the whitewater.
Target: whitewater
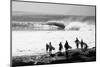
{"x": 34, "y": 42}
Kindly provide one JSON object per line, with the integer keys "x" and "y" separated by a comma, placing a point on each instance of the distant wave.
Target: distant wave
{"x": 47, "y": 22}
{"x": 46, "y": 18}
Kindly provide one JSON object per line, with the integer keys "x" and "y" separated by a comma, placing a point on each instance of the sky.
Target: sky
{"x": 52, "y": 9}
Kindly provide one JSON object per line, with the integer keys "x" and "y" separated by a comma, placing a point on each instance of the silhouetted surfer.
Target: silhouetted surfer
{"x": 77, "y": 42}
{"x": 85, "y": 46}
{"x": 47, "y": 47}
{"x": 66, "y": 48}
{"x": 51, "y": 48}
{"x": 82, "y": 44}
{"x": 60, "y": 47}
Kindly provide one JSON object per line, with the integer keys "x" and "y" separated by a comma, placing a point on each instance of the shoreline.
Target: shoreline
{"x": 59, "y": 57}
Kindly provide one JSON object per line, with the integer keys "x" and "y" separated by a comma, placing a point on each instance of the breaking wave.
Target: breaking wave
{"x": 80, "y": 26}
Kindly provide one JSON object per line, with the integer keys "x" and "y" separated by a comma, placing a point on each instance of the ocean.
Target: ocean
{"x": 34, "y": 42}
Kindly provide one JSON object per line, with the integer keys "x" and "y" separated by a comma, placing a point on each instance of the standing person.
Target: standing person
{"x": 60, "y": 47}
{"x": 82, "y": 44}
{"x": 85, "y": 47}
{"x": 47, "y": 47}
{"x": 77, "y": 42}
{"x": 51, "y": 48}
{"x": 66, "y": 48}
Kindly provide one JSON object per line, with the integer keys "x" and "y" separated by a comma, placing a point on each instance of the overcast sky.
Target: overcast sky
{"x": 53, "y": 9}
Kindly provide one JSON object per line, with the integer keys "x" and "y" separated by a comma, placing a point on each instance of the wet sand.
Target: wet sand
{"x": 74, "y": 55}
